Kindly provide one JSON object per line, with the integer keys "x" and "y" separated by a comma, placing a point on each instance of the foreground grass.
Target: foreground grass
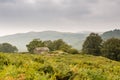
{"x": 62, "y": 67}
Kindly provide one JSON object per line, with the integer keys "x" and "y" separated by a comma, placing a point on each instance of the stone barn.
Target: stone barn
{"x": 40, "y": 50}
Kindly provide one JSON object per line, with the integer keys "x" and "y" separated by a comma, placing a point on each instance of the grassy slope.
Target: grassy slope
{"x": 62, "y": 67}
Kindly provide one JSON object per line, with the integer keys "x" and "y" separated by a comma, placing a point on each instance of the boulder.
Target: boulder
{"x": 40, "y": 50}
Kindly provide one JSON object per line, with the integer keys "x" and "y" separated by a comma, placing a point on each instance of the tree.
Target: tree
{"x": 111, "y": 48}
{"x": 92, "y": 44}
{"x": 52, "y": 45}
{"x": 61, "y": 45}
{"x": 8, "y": 48}
{"x": 33, "y": 44}
{"x": 73, "y": 51}
{"x": 48, "y": 44}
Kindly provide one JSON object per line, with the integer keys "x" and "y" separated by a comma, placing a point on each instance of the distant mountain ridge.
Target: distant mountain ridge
{"x": 21, "y": 39}
{"x": 75, "y": 39}
{"x": 109, "y": 34}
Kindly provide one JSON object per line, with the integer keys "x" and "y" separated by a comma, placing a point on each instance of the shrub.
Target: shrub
{"x": 73, "y": 51}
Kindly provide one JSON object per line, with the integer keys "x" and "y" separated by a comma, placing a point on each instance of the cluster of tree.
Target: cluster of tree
{"x": 96, "y": 46}
{"x": 52, "y": 45}
{"x": 8, "y": 48}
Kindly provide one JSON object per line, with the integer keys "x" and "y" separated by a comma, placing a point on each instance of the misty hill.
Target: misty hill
{"x": 75, "y": 39}
{"x": 109, "y": 34}
{"x": 20, "y": 40}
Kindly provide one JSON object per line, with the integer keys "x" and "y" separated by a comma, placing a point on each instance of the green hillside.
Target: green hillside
{"x": 57, "y": 67}
{"x": 109, "y": 34}
{"x": 20, "y": 40}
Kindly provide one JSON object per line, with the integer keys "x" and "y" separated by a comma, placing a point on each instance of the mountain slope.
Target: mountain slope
{"x": 20, "y": 40}
{"x": 75, "y": 39}
{"x": 109, "y": 34}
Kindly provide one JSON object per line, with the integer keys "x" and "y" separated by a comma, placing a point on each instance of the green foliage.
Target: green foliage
{"x": 3, "y": 60}
{"x": 47, "y": 69}
{"x": 52, "y": 45}
{"x": 33, "y": 44}
{"x": 49, "y": 44}
{"x": 92, "y": 44}
{"x": 73, "y": 51}
{"x": 111, "y": 48}
{"x": 38, "y": 59}
{"x": 62, "y": 67}
{"x": 61, "y": 45}
{"x": 7, "y": 48}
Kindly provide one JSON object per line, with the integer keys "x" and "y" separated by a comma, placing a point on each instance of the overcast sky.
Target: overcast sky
{"x": 17, "y": 16}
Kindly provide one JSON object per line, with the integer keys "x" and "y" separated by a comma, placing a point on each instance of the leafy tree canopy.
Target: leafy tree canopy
{"x": 8, "y": 48}
{"x": 33, "y": 44}
{"x": 111, "y": 48}
{"x": 52, "y": 45}
{"x": 92, "y": 44}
